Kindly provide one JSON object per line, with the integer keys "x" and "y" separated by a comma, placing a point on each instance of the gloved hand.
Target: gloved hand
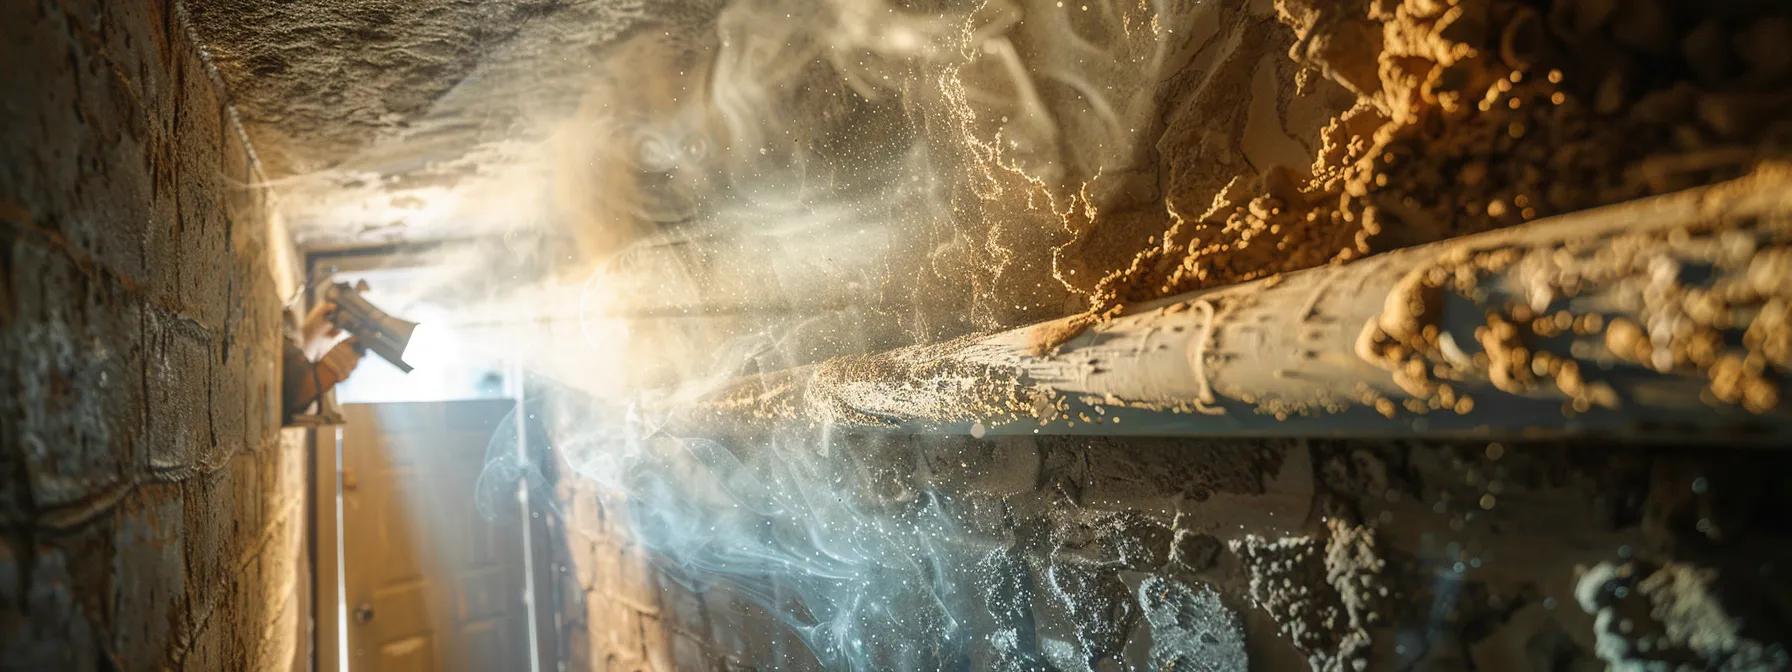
{"x": 336, "y": 365}
{"x": 317, "y": 334}
{"x": 305, "y": 380}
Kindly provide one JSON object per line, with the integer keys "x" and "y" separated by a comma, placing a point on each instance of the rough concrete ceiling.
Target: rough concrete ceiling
{"x": 360, "y": 109}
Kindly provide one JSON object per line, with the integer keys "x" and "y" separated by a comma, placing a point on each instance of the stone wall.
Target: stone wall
{"x": 622, "y": 611}
{"x": 606, "y": 613}
{"x": 1271, "y": 554}
{"x": 152, "y": 507}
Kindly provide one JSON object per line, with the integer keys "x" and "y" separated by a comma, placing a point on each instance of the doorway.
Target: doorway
{"x": 411, "y": 574}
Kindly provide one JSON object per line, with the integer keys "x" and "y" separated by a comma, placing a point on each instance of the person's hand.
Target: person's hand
{"x": 318, "y": 333}
{"x": 307, "y": 380}
{"x": 338, "y": 363}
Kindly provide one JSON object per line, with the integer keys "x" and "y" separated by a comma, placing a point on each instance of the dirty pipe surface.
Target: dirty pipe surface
{"x": 1661, "y": 318}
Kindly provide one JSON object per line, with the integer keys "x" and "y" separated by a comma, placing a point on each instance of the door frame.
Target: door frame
{"x": 324, "y": 474}
{"x": 327, "y": 560}
{"x": 325, "y": 541}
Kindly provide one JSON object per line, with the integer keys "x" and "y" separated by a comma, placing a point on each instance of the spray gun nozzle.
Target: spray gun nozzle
{"x": 373, "y": 329}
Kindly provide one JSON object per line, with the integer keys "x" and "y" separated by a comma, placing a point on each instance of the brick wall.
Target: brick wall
{"x": 621, "y": 611}
{"x": 152, "y": 507}
{"x": 608, "y": 600}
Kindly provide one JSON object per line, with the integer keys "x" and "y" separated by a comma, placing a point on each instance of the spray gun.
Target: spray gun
{"x": 372, "y": 328}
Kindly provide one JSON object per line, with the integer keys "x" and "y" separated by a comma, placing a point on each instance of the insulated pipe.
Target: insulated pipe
{"x": 1665, "y": 317}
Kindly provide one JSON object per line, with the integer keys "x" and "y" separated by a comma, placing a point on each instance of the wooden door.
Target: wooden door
{"x": 428, "y": 582}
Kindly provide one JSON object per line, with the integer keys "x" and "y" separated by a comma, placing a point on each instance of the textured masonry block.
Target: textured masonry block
{"x": 63, "y": 631}
{"x": 577, "y": 643}
{"x": 203, "y": 227}
{"x": 77, "y": 358}
{"x": 250, "y": 513}
{"x": 615, "y": 629}
{"x": 584, "y": 562}
{"x": 276, "y": 646}
{"x": 688, "y": 654}
{"x": 635, "y": 582}
{"x": 214, "y": 647}
{"x": 606, "y": 569}
{"x": 207, "y": 511}
{"x": 230, "y": 424}
{"x": 684, "y": 608}
{"x": 160, "y": 530}
{"x": 149, "y": 564}
{"x": 654, "y": 644}
{"x": 587, "y": 514}
{"x": 727, "y": 623}
{"x": 570, "y": 596}
{"x": 179, "y": 359}
{"x": 249, "y": 605}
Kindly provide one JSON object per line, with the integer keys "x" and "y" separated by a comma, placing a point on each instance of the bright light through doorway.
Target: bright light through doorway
{"x": 448, "y": 364}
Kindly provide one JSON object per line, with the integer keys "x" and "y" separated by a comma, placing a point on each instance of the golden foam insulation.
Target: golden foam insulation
{"x": 1479, "y": 114}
